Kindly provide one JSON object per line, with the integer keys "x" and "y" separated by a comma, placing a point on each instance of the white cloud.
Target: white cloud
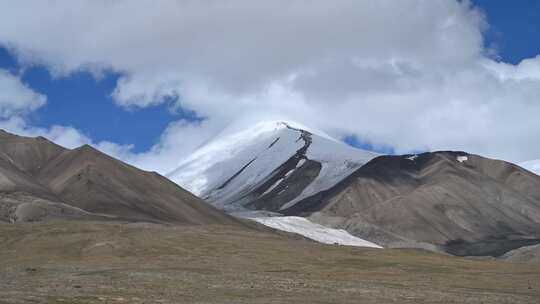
{"x": 412, "y": 74}
{"x": 17, "y": 98}
{"x": 178, "y": 140}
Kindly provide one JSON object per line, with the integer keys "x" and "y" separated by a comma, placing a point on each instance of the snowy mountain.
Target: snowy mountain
{"x": 532, "y": 165}
{"x": 296, "y": 179}
{"x": 260, "y": 171}
{"x": 270, "y": 166}
{"x": 42, "y": 181}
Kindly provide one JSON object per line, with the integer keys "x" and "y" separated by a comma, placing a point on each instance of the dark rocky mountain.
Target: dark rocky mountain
{"x": 40, "y": 180}
{"x": 460, "y": 203}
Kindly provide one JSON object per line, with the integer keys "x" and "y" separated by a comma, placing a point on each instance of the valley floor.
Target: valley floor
{"x": 86, "y": 262}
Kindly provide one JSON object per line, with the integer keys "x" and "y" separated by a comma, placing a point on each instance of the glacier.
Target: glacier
{"x": 316, "y": 232}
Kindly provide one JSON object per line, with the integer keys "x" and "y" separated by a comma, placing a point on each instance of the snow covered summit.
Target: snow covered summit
{"x": 260, "y": 171}
{"x": 269, "y": 166}
{"x": 532, "y": 165}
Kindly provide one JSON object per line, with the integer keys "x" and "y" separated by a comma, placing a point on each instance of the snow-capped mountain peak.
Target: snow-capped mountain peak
{"x": 532, "y": 165}
{"x": 269, "y": 165}
{"x": 211, "y": 163}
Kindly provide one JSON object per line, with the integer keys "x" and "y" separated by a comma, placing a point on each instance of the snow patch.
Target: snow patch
{"x": 313, "y": 231}
{"x": 273, "y": 186}
{"x": 413, "y": 158}
{"x": 289, "y": 173}
{"x": 462, "y": 158}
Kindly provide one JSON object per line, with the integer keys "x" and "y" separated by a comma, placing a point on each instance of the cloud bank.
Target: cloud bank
{"x": 411, "y": 74}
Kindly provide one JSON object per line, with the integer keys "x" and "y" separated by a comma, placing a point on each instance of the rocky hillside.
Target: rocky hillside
{"x": 40, "y": 180}
{"x": 461, "y": 203}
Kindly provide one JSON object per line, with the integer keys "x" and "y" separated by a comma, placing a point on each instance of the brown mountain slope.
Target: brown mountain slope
{"x": 24, "y": 199}
{"x": 93, "y": 181}
{"x": 25, "y": 153}
{"x": 41, "y": 180}
{"x": 462, "y": 203}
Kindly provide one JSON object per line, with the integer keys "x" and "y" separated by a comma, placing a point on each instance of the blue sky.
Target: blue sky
{"x": 514, "y": 28}
{"x": 85, "y": 103}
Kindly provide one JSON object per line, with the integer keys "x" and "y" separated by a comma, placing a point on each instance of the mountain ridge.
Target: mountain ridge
{"x": 453, "y": 200}
{"x": 448, "y": 201}
{"x": 41, "y": 180}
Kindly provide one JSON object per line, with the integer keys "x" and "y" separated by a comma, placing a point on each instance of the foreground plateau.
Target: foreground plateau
{"x": 97, "y": 262}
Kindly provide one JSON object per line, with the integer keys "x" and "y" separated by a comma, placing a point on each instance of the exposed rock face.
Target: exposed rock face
{"x": 462, "y": 203}
{"x": 40, "y": 180}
